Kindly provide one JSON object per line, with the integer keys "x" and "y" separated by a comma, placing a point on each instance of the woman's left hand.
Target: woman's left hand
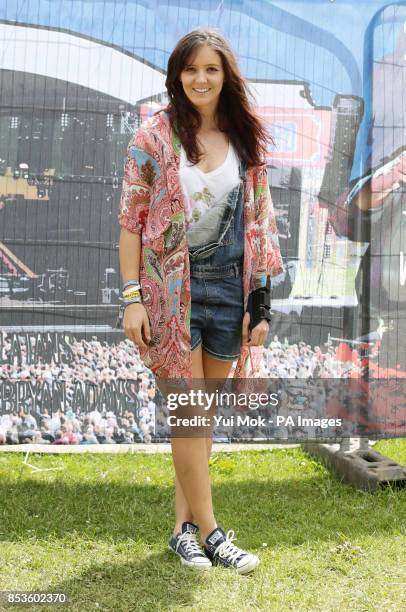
{"x": 258, "y": 335}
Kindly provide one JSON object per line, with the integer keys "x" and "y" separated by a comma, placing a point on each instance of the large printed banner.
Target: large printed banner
{"x": 77, "y": 79}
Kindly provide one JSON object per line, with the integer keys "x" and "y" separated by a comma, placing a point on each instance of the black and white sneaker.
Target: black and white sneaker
{"x": 221, "y": 551}
{"x": 185, "y": 545}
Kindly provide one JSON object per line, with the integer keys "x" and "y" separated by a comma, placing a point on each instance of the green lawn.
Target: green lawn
{"x": 98, "y": 529}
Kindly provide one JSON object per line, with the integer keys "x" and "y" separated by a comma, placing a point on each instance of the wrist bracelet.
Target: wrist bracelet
{"x": 131, "y": 294}
{"x": 134, "y": 300}
{"x": 132, "y": 288}
{"x": 134, "y": 282}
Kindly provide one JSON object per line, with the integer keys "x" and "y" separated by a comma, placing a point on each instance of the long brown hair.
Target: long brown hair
{"x": 235, "y": 113}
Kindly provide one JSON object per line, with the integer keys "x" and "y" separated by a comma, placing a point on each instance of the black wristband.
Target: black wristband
{"x": 259, "y": 305}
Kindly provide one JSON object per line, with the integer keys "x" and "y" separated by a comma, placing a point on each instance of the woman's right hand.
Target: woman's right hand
{"x": 136, "y": 324}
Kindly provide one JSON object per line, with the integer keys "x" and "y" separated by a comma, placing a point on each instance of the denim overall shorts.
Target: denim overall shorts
{"x": 216, "y": 283}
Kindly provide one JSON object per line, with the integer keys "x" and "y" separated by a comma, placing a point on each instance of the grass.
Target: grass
{"x": 97, "y": 530}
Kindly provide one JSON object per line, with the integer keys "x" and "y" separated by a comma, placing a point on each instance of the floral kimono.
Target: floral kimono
{"x": 152, "y": 205}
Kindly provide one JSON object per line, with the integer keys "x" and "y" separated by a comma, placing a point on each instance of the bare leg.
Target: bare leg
{"x": 214, "y": 368}
{"x": 182, "y": 509}
{"x": 190, "y": 459}
{"x": 190, "y": 455}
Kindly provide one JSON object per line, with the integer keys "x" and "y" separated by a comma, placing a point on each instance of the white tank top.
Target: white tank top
{"x": 206, "y": 195}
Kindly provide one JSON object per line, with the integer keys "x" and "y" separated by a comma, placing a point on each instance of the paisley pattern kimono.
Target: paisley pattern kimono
{"x": 152, "y": 205}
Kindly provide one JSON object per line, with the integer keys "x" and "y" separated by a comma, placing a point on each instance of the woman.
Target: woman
{"x": 196, "y": 241}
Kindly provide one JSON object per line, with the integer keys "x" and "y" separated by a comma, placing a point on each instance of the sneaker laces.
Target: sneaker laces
{"x": 190, "y": 542}
{"x": 227, "y": 549}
